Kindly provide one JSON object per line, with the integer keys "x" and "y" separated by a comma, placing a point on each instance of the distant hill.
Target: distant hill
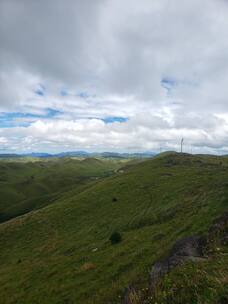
{"x": 25, "y": 186}
{"x": 79, "y": 154}
{"x": 8, "y": 155}
{"x": 33, "y": 154}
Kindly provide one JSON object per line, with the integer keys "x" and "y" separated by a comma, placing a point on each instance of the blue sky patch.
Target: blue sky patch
{"x": 51, "y": 113}
{"x": 63, "y": 92}
{"x": 168, "y": 83}
{"x": 40, "y": 91}
{"x": 111, "y": 119}
{"x": 15, "y": 119}
{"x": 83, "y": 94}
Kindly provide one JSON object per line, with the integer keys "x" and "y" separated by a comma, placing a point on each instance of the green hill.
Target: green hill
{"x": 62, "y": 253}
{"x": 29, "y": 184}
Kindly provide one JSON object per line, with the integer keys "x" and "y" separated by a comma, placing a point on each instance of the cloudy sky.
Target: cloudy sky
{"x": 113, "y": 75}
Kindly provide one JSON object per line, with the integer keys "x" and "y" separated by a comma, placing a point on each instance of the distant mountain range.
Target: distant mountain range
{"x": 80, "y": 154}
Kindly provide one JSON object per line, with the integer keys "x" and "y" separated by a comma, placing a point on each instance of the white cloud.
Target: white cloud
{"x": 152, "y": 133}
{"x": 117, "y": 53}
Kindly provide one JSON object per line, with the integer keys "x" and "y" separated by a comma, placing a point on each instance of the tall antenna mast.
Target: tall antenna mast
{"x": 182, "y": 140}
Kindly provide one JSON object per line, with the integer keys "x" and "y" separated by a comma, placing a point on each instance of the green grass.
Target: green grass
{"x": 196, "y": 283}
{"x": 62, "y": 253}
{"x": 28, "y": 185}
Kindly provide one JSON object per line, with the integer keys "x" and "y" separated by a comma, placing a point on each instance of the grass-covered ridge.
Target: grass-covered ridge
{"x": 62, "y": 253}
{"x": 28, "y": 183}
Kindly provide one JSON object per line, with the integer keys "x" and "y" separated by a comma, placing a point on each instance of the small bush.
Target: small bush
{"x": 115, "y": 238}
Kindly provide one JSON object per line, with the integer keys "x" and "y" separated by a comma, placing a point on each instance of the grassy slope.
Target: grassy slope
{"x": 48, "y": 256}
{"x": 27, "y": 185}
{"x": 196, "y": 283}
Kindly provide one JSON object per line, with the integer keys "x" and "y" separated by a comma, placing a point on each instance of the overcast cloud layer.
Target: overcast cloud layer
{"x": 113, "y": 75}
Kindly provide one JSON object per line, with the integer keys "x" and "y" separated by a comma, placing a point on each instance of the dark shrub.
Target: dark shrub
{"x": 114, "y": 199}
{"x": 115, "y": 238}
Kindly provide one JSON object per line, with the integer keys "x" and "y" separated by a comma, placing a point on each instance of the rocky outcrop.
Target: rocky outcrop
{"x": 192, "y": 248}
{"x": 189, "y": 248}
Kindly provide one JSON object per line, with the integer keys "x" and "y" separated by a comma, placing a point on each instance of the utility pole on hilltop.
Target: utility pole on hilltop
{"x": 182, "y": 140}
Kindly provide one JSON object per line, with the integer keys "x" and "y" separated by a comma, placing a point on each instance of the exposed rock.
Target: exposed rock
{"x": 220, "y": 225}
{"x": 191, "y": 248}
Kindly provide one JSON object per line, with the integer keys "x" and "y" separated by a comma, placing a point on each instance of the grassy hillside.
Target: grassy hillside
{"x": 203, "y": 282}
{"x": 62, "y": 253}
{"x": 28, "y": 184}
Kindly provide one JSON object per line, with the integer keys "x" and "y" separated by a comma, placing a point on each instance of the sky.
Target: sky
{"x": 113, "y": 75}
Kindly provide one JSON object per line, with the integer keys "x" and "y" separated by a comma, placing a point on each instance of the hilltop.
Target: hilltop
{"x": 62, "y": 253}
